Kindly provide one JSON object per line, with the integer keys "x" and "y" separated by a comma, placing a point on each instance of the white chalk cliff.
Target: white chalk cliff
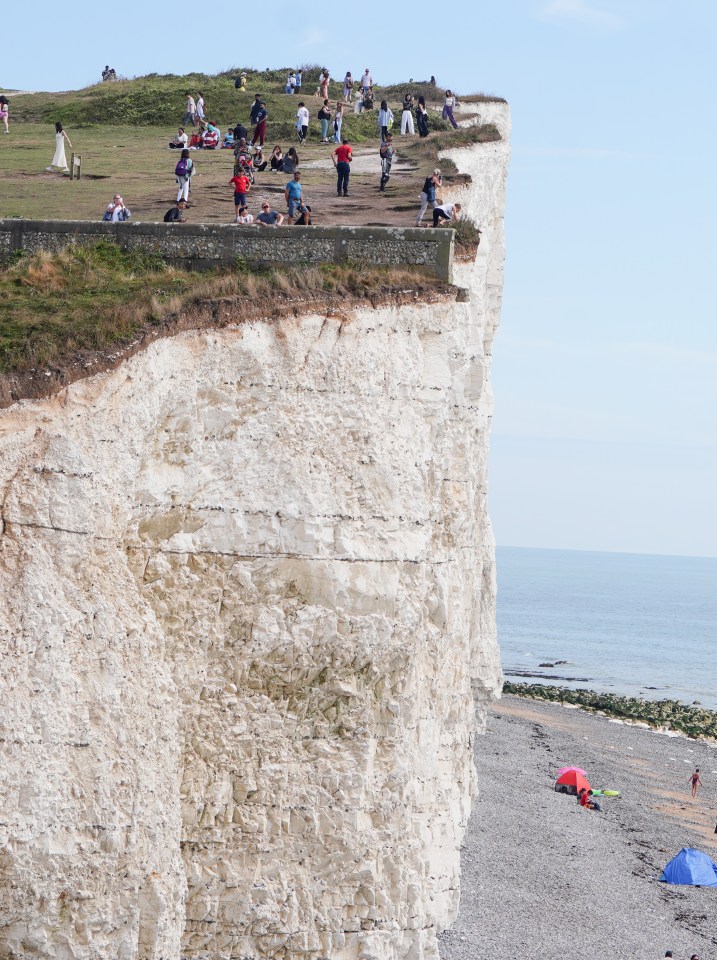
{"x": 248, "y": 629}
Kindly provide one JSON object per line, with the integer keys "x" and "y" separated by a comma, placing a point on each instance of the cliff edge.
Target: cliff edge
{"x": 248, "y": 629}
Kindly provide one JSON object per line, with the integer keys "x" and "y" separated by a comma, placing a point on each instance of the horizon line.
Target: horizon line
{"x": 619, "y": 553}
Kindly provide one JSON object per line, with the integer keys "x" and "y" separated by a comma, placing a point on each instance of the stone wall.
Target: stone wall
{"x": 202, "y": 246}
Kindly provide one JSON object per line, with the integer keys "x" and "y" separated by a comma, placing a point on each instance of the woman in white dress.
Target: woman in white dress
{"x": 59, "y": 161}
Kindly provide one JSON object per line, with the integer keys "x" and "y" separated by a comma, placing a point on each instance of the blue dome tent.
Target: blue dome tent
{"x": 691, "y": 867}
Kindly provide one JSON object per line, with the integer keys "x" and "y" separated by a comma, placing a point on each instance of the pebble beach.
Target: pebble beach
{"x": 542, "y": 878}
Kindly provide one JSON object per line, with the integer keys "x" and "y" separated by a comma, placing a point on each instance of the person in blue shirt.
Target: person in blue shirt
{"x": 293, "y": 195}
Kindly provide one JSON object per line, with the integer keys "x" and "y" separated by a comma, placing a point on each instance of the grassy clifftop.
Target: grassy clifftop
{"x": 58, "y": 309}
{"x": 158, "y": 100}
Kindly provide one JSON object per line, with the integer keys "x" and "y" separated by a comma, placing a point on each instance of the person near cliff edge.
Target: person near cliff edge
{"x": 428, "y": 193}
{"x": 446, "y": 212}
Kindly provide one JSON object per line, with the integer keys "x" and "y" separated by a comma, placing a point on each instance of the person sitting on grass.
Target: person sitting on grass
{"x": 258, "y": 160}
{"x": 211, "y": 135}
{"x": 293, "y": 195}
{"x": 180, "y": 141}
{"x": 276, "y": 160}
{"x": 269, "y": 217}
{"x": 291, "y": 161}
{"x": 448, "y": 212}
{"x": 174, "y": 215}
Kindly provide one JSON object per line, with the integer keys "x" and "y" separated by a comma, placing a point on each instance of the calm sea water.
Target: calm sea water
{"x": 624, "y": 623}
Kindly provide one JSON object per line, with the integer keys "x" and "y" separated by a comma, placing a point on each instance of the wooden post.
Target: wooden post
{"x": 75, "y": 166}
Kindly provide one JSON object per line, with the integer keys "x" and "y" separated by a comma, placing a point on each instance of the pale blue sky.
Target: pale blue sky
{"x": 606, "y": 362}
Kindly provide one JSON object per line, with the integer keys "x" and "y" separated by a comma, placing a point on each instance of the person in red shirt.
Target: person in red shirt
{"x": 343, "y": 156}
{"x": 242, "y": 185}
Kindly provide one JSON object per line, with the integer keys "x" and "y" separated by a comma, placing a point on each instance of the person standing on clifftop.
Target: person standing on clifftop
{"x": 343, "y": 156}
{"x": 448, "y": 108}
{"x": 190, "y": 115}
{"x": 387, "y": 154}
{"x": 407, "y": 115}
{"x": 384, "y": 118}
{"x": 428, "y": 194}
{"x": 302, "y": 121}
{"x": 293, "y": 196}
{"x": 260, "y": 129}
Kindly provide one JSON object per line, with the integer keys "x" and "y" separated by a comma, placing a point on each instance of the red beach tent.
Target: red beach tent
{"x": 573, "y": 781}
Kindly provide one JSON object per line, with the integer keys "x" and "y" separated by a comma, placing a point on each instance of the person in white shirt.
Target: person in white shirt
{"x": 302, "y": 122}
{"x": 447, "y": 211}
{"x": 180, "y": 141}
{"x": 116, "y": 211}
{"x": 190, "y": 115}
{"x": 366, "y": 80}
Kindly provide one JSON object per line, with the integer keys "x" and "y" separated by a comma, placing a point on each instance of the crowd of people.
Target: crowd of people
{"x": 198, "y": 132}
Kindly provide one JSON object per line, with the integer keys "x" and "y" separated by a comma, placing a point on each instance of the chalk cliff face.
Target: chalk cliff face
{"x": 248, "y": 613}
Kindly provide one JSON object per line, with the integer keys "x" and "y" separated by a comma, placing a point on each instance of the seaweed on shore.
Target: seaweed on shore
{"x": 694, "y": 722}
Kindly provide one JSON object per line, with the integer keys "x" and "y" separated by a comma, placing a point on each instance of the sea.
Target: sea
{"x": 623, "y": 623}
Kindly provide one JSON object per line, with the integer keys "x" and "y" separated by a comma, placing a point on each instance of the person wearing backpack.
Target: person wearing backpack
{"x": 183, "y": 172}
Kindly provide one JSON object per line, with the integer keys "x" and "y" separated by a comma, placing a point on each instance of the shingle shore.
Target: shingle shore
{"x": 543, "y": 879}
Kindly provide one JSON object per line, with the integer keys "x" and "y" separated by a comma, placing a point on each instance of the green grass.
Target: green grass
{"x": 54, "y": 307}
{"x": 158, "y": 100}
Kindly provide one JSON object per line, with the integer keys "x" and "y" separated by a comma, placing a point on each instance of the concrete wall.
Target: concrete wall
{"x": 202, "y": 246}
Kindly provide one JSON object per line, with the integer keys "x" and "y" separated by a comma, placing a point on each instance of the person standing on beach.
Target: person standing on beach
{"x": 696, "y": 782}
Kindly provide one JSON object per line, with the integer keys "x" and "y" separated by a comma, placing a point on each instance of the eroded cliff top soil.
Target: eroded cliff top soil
{"x": 74, "y": 314}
